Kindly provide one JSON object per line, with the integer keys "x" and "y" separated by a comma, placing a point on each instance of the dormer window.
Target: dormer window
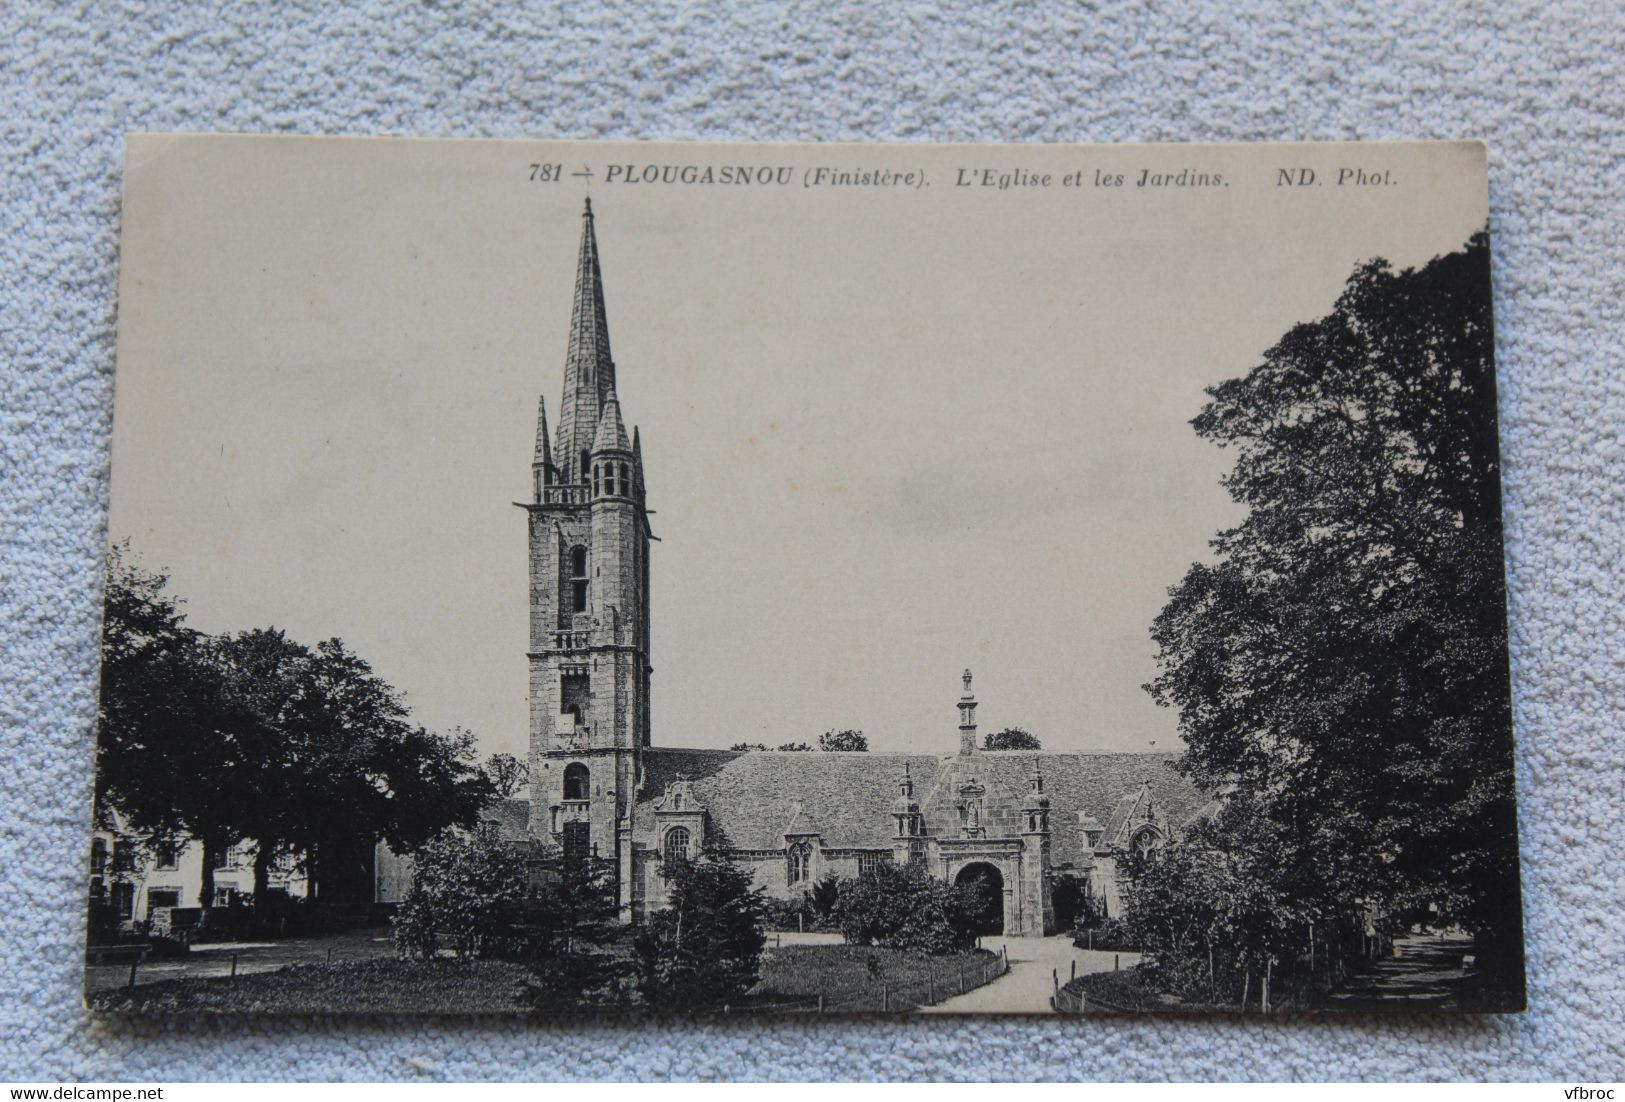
{"x": 677, "y": 839}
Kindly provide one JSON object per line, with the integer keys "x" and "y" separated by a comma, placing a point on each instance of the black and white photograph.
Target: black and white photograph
{"x": 627, "y": 579}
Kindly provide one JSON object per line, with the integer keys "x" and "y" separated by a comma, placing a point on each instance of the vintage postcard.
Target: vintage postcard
{"x": 550, "y": 577}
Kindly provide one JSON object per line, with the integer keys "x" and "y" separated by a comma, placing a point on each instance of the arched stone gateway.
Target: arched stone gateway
{"x": 990, "y": 915}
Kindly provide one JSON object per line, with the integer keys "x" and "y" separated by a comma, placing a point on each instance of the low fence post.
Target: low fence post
{"x": 1117, "y": 962}
{"x": 234, "y": 966}
{"x": 885, "y": 999}
{"x": 820, "y": 1004}
{"x": 1074, "y": 968}
{"x": 135, "y": 962}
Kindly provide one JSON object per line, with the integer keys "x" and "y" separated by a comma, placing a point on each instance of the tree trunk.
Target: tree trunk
{"x": 1246, "y": 986}
{"x": 312, "y": 871}
{"x": 1311, "y": 955}
{"x": 205, "y": 892}
{"x": 1264, "y": 991}
{"x": 262, "y": 871}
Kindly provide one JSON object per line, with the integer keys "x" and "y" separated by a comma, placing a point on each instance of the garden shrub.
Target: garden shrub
{"x": 705, "y": 949}
{"x": 904, "y": 907}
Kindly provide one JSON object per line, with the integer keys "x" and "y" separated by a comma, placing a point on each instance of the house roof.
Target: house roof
{"x": 511, "y": 816}
{"x": 754, "y": 798}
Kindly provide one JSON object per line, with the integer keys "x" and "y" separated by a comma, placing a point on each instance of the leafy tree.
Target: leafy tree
{"x": 793, "y": 746}
{"x": 304, "y": 750}
{"x": 335, "y": 760}
{"x": 705, "y": 949}
{"x": 507, "y": 774}
{"x": 905, "y": 907}
{"x": 821, "y": 900}
{"x": 467, "y": 888}
{"x": 842, "y": 740}
{"x": 163, "y": 763}
{"x": 481, "y": 896}
{"x": 1011, "y": 738}
{"x": 1342, "y": 662}
{"x": 566, "y": 930}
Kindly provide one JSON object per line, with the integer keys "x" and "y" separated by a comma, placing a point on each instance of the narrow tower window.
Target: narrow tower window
{"x": 577, "y": 782}
{"x": 575, "y": 693}
{"x": 578, "y": 579}
{"x": 586, "y": 462}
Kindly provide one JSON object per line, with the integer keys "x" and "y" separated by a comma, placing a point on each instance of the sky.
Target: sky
{"x": 889, "y": 433}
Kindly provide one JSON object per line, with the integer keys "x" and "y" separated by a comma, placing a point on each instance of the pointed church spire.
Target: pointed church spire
{"x": 544, "y": 450}
{"x": 611, "y": 433}
{"x": 589, "y": 372}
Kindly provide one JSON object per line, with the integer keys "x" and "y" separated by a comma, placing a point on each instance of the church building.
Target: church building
{"x": 1020, "y": 822}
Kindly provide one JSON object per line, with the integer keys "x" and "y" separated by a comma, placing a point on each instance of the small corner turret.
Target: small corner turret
{"x": 543, "y": 472}
{"x": 1035, "y": 812}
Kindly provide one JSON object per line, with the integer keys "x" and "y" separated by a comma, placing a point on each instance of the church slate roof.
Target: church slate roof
{"x": 754, "y": 797}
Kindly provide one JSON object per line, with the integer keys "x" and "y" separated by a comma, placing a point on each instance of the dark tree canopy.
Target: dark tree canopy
{"x": 1011, "y": 738}
{"x": 842, "y": 740}
{"x": 1342, "y": 661}
{"x": 253, "y": 735}
{"x": 163, "y": 721}
{"x": 905, "y": 907}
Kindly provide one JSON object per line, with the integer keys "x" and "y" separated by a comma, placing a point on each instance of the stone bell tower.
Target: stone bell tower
{"x": 589, "y": 598}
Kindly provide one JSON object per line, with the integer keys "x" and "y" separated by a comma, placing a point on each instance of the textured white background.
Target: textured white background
{"x": 1542, "y": 83}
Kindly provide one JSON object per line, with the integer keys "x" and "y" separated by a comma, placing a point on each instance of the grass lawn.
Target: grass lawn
{"x": 851, "y": 978}
{"x": 361, "y": 987}
{"x": 1120, "y": 992}
{"x": 856, "y": 978}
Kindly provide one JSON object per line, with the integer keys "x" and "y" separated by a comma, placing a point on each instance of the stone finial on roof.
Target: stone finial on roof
{"x": 967, "y": 720}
